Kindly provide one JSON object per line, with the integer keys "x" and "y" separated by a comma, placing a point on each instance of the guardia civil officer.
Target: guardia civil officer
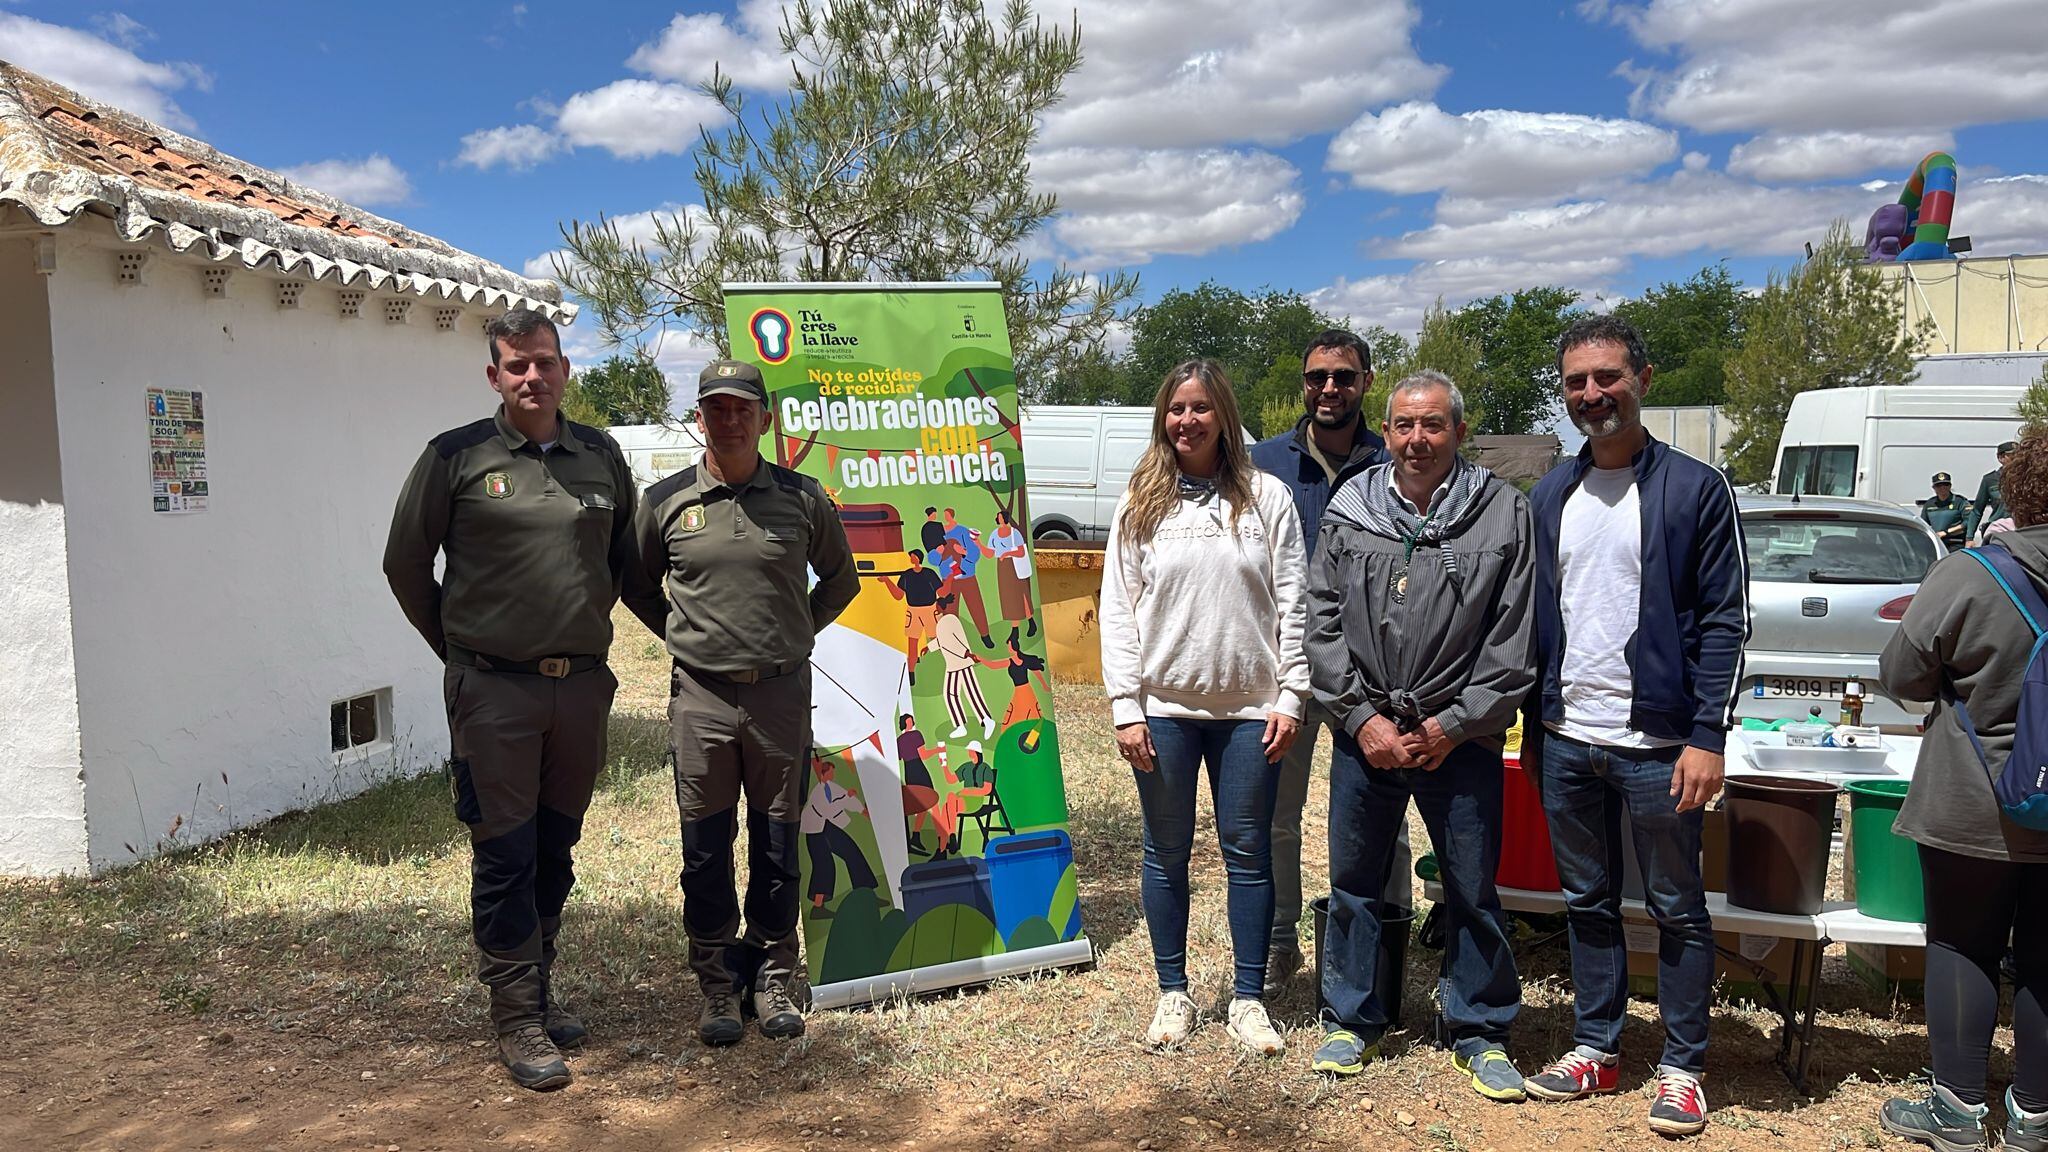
{"x": 533, "y": 514}
{"x": 721, "y": 553}
{"x": 1947, "y": 513}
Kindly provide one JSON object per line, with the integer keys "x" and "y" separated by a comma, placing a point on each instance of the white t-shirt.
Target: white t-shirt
{"x": 1600, "y": 585}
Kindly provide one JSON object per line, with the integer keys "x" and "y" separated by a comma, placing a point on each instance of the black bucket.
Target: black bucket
{"x": 1396, "y": 924}
{"x": 1780, "y": 830}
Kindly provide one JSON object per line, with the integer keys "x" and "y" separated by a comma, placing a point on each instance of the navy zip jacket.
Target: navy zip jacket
{"x": 1286, "y": 456}
{"x": 1686, "y": 655}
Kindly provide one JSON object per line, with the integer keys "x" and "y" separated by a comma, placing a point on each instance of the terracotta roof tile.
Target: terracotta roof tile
{"x": 141, "y": 174}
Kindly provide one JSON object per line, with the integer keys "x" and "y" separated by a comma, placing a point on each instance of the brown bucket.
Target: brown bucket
{"x": 1780, "y": 830}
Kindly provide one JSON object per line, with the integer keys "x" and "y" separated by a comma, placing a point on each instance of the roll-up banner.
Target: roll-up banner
{"x": 934, "y": 825}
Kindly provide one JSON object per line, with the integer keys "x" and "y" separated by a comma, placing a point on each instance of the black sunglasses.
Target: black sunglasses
{"x": 1345, "y": 377}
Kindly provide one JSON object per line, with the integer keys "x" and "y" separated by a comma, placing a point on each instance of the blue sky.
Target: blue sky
{"x": 1372, "y": 153}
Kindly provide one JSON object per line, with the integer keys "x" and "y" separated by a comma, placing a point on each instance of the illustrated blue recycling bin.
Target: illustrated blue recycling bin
{"x": 936, "y": 883}
{"x": 1024, "y": 876}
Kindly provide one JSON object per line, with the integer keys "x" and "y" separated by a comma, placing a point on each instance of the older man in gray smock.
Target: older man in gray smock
{"x": 1421, "y": 642}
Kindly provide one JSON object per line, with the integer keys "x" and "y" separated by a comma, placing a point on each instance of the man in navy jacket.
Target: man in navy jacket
{"x": 1641, "y": 613}
{"x": 1331, "y": 443}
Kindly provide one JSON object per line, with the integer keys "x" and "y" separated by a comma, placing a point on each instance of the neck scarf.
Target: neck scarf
{"x": 1370, "y": 500}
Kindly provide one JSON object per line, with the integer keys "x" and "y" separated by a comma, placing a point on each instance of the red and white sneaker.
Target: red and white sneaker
{"x": 1681, "y": 1105}
{"x": 1579, "y": 1072}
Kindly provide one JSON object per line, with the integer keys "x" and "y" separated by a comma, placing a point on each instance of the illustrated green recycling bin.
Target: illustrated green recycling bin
{"x": 1887, "y": 864}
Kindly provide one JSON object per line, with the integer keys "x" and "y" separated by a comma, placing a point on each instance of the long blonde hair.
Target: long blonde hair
{"x": 1155, "y": 483}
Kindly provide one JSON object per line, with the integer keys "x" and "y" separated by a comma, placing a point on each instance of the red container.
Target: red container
{"x": 1526, "y": 860}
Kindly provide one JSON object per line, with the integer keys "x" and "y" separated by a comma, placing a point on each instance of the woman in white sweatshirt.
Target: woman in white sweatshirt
{"x": 1203, "y": 606}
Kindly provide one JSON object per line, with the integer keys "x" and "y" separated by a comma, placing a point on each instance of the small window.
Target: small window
{"x": 1829, "y": 471}
{"x": 357, "y": 721}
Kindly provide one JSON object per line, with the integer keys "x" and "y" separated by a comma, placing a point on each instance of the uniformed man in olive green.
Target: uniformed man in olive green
{"x": 1989, "y": 505}
{"x": 533, "y": 515}
{"x": 723, "y": 549}
{"x": 1947, "y": 513}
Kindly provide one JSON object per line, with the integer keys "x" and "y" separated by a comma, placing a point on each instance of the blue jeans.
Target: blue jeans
{"x": 1241, "y": 786}
{"x": 1460, "y": 804}
{"x": 1585, "y": 787}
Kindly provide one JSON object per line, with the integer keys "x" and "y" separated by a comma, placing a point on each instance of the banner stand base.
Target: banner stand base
{"x": 939, "y": 977}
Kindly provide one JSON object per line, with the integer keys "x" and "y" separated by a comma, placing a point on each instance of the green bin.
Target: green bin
{"x": 1887, "y": 864}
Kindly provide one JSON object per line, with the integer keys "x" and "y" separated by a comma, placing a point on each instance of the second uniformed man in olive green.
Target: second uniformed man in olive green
{"x": 533, "y": 515}
{"x": 723, "y": 553}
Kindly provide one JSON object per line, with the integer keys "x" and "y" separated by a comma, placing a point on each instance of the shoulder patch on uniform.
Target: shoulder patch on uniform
{"x": 468, "y": 436}
{"x": 785, "y": 478}
{"x": 669, "y": 485}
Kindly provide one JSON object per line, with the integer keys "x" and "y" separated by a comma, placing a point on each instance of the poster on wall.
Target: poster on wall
{"x": 936, "y": 849}
{"x": 177, "y": 450}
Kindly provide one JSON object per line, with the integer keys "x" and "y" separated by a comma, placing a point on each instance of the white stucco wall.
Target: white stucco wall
{"x": 210, "y": 646}
{"x": 42, "y": 830}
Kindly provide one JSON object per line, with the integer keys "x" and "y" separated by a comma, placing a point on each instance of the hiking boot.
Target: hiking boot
{"x": 1680, "y": 1108}
{"x": 778, "y": 1014}
{"x": 2024, "y": 1131}
{"x": 1579, "y": 1072}
{"x": 1172, "y": 1021}
{"x": 1343, "y": 1052}
{"x": 719, "y": 1025}
{"x": 532, "y": 1058}
{"x": 1493, "y": 1075}
{"x": 563, "y": 1027}
{"x": 1250, "y": 1026}
{"x": 1939, "y": 1121}
{"x": 1282, "y": 962}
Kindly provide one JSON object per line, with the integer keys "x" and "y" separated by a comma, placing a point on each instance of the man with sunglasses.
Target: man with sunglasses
{"x": 1328, "y": 446}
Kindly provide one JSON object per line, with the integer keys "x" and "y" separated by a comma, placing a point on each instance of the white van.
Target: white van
{"x": 657, "y": 451}
{"x": 1884, "y": 443}
{"x": 1077, "y": 461}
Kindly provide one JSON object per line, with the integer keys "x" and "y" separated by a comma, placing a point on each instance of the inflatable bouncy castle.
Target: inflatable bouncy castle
{"x": 1916, "y": 228}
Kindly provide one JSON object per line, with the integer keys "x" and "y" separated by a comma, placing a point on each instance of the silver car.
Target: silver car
{"x": 1829, "y": 579}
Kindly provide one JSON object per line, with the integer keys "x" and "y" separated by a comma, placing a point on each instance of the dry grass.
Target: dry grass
{"x": 241, "y": 989}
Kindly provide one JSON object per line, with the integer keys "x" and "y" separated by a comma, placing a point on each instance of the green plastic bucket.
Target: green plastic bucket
{"x": 1887, "y": 864}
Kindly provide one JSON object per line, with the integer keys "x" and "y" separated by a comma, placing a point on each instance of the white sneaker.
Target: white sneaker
{"x": 958, "y": 732}
{"x": 1172, "y": 1020}
{"x": 988, "y": 728}
{"x": 1250, "y": 1026}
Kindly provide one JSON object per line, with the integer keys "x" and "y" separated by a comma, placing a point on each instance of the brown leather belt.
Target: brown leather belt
{"x": 552, "y": 667}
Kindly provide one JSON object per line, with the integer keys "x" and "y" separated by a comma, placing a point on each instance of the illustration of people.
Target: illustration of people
{"x": 962, "y": 553}
{"x": 1023, "y": 698}
{"x": 931, "y": 534}
{"x": 922, "y": 802}
{"x": 918, "y": 587}
{"x": 823, "y": 824}
{"x": 1006, "y": 546}
{"x": 977, "y": 779}
{"x": 962, "y": 690}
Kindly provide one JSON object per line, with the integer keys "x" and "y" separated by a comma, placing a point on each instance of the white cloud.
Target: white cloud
{"x": 1398, "y": 301}
{"x": 2004, "y": 215}
{"x": 518, "y": 147}
{"x": 1127, "y": 205}
{"x": 1685, "y": 212}
{"x": 637, "y": 229}
{"x": 1712, "y": 213}
{"x": 1418, "y": 147}
{"x": 104, "y": 71}
{"x": 1189, "y": 73}
{"x": 747, "y": 49}
{"x": 1841, "y": 65}
{"x": 368, "y": 182}
{"x": 634, "y": 119}
{"x": 1781, "y": 158}
{"x": 124, "y": 30}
